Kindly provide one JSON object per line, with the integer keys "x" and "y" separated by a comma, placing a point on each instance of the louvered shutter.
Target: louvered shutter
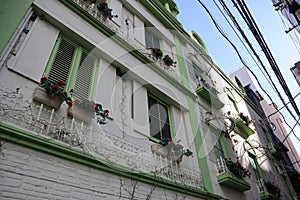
{"x": 83, "y": 85}
{"x": 62, "y": 62}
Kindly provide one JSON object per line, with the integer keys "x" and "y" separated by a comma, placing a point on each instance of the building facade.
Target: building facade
{"x": 296, "y": 72}
{"x": 280, "y": 144}
{"x": 115, "y": 100}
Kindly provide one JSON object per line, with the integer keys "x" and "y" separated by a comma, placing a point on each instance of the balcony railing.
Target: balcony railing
{"x": 226, "y": 177}
{"x": 267, "y": 190}
{"x": 94, "y": 12}
{"x": 55, "y": 125}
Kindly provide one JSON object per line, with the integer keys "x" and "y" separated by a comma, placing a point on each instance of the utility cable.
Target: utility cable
{"x": 246, "y": 15}
{"x": 224, "y": 35}
{"x": 226, "y": 9}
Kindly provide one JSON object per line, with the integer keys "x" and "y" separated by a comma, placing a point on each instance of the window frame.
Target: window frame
{"x": 221, "y": 140}
{"x": 74, "y": 67}
{"x": 257, "y": 171}
{"x": 170, "y": 118}
{"x": 153, "y": 36}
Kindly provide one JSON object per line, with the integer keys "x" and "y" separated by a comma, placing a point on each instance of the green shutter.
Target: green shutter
{"x": 84, "y": 79}
{"x": 62, "y": 62}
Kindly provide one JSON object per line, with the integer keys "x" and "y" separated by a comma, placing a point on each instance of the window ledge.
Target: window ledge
{"x": 82, "y": 114}
{"x": 244, "y": 130}
{"x": 233, "y": 182}
{"x": 209, "y": 97}
{"x": 41, "y": 96}
{"x": 267, "y": 196}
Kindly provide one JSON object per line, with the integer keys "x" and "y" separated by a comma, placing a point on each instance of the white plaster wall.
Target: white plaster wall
{"x": 30, "y": 174}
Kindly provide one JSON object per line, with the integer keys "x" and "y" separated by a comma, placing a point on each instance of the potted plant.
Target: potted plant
{"x": 169, "y": 61}
{"x": 157, "y": 53}
{"x": 51, "y": 93}
{"x": 84, "y": 110}
{"x": 105, "y": 10}
{"x": 168, "y": 149}
{"x": 237, "y": 169}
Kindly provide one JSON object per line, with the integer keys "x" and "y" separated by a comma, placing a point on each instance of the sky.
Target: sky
{"x": 194, "y": 17}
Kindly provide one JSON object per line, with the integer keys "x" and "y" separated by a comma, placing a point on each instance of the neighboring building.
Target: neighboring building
{"x": 64, "y": 62}
{"x": 290, "y": 9}
{"x": 280, "y": 144}
{"x": 296, "y": 72}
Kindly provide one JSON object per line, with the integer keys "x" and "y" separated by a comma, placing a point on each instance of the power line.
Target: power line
{"x": 241, "y": 31}
{"x": 246, "y": 15}
{"x": 236, "y": 50}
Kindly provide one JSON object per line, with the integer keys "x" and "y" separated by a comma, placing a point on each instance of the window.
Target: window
{"x": 218, "y": 148}
{"x": 199, "y": 75}
{"x": 255, "y": 166}
{"x": 71, "y": 63}
{"x": 158, "y": 119}
{"x": 151, "y": 40}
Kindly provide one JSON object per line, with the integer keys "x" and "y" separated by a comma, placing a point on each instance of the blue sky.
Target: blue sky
{"x": 194, "y": 17}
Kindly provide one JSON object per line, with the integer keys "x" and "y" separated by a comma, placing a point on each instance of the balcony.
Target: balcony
{"x": 89, "y": 140}
{"x": 227, "y": 178}
{"x": 267, "y": 190}
{"x": 243, "y": 129}
{"x": 209, "y": 94}
{"x": 93, "y": 12}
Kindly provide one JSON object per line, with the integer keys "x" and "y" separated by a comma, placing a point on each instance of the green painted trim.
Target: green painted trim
{"x": 267, "y": 196}
{"x": 239, "y": 83}
{"x": 11, "y": 14}
{"x": 257, "y": 165}
{"x": 49, "y": 146}
{"x": 244, "y": 130}
{"x": 233, "y": 102}
{"x": 171, "y": 122}
{"x": 233, "y": 182}
{"x": 290, "y": 187}
{"x": 202, "y": 162}
{"x": 72, "y": 76}
{"x": 199, "y": 40}
{"x": 52, "y": 56}
{"x": 94, "y": 78}
{"x": 212, "y": 99}
{"x": 225, "y": 146}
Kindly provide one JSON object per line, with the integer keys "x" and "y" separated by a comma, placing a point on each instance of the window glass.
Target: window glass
{"x": 158, "y": 119}
{"x": 254, "y": 165}
{"x": 151, "y": 40}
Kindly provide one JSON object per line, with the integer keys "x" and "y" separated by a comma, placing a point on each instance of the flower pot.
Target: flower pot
{"x": 165, "y": 151}
{"x": 41, "y": 96}
{"x": 81, "y": 113}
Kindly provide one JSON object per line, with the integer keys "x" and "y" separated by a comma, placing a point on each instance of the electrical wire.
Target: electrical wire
{"x": 239, "y": 28}
{"x": 290, "y": 131}
{"x": 246, "y": 15}
{"x": 240, "y": 57}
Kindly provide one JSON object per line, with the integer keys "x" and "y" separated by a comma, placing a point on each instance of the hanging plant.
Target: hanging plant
{"x": 158, "y": 54}
{"x": 107, "y": 12}
{"x": 176, "y": 148}
{"x": 93, "y": 107}
{"x": 245, "y": 119}
{"x": 237, "y": 169}
{"x": 169, "y": 61}
{"x": 272, "y": 188}
{"x": 56, "y": 88}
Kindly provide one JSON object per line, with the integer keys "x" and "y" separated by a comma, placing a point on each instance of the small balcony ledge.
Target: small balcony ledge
{"x": 233, "y": 182}
{"x": 209, "y": 96}
{"x": 244, "y": 130}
